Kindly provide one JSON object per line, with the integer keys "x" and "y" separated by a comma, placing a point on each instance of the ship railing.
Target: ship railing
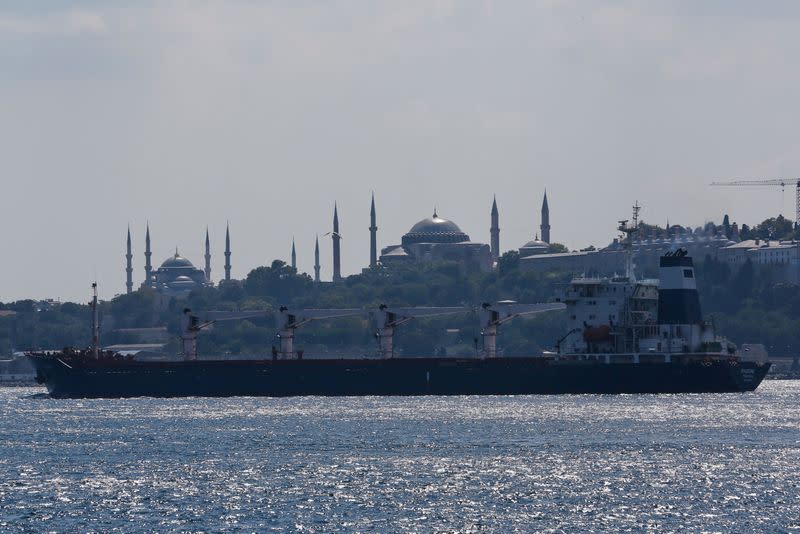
{"x": 648, "y": 358}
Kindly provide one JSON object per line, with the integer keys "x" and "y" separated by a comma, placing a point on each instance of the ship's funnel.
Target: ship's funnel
{"x": 678, "y": 300}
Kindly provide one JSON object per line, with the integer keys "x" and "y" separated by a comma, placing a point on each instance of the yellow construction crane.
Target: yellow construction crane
{"x": 778, "y": 181}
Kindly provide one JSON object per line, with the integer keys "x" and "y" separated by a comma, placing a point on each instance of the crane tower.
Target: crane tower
{"x": 779, "y": 182}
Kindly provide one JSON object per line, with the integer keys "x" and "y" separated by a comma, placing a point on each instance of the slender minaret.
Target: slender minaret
{"x": 228, "y": 253}
{"x": 316, "y": 261}
{"x": 294, "y": 256}
{"x": 337, "y": 252}
{"x": 148, "y": 267}
{"x": 373, "y": 235}
{"x": 208, "y": 257}
{"x": 545, "y": 227}
{"x": 129, "y": 266}
{"x": 495, "y": 231}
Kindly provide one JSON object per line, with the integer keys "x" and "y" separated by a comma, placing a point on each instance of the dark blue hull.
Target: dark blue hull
{"x": 80, "y": 378}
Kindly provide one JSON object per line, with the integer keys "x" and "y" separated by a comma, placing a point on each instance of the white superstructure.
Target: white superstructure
{"x": 621, "y": 315}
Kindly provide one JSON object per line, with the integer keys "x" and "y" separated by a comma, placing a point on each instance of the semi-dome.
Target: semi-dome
{"x": 176, "y": 262}
{"x": 182, "y": 282}
{"x": 435, "y": 230}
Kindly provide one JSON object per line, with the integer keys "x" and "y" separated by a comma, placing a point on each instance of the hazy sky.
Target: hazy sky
{"x": 189, "y": 114}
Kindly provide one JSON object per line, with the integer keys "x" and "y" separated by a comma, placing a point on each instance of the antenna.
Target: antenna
{"x": 628, "y": 230}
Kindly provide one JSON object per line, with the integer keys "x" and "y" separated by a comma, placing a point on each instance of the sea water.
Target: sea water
{"x": 717, "y": 462}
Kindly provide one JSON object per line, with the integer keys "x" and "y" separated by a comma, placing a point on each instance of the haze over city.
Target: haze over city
{"x": 193, "y": 114}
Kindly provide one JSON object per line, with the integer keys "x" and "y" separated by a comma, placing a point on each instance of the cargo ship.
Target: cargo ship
{"x": 624, "y": 335}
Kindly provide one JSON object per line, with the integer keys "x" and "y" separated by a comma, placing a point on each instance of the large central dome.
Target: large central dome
{"x": 435, "y": 230}
{"x": 177, "y": 262}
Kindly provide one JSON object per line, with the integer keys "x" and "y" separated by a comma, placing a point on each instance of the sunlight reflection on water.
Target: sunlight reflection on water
{"x": 584, "y": 462}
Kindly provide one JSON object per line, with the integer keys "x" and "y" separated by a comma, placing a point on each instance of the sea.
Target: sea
{"x": 571, "y": 463}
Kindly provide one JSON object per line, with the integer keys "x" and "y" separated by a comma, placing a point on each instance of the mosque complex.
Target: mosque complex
{"x": 432, "y": 239}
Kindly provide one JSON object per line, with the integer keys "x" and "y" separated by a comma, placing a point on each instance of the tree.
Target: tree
{"x": 279, "y": 281}
{"x": 773, "y": 228}
{"x": 508, "y": 262}
{"x": 743, "y": 282}
{"x": 744, "y": 232}
{"x": 726, "y": 226}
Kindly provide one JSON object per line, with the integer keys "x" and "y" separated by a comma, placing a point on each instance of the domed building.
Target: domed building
{"x": 435, "y": 239}
{"x": 177, "y": 277}
{"x": 533, "y": 247}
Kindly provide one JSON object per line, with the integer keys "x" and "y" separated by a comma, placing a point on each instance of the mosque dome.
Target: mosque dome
{"x": 534, "y": 247}
{"x": 435, "y": 230}
{"x": 177, "y": 262}
{"x": 536, "y": 243}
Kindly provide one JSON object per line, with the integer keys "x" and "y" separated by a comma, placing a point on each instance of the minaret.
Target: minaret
{"x": 148, "y": 268}
{"x": 208, "y": 257}
{"x": 373, "y": 235}
{"x": 129, "y": 266}
{"x": 545, "y": 227}
{"x": 495, "y": 231}
{"x": 294, "y": 256}
{"x": 316, "y": 261}
{"x": 337, "y": 253}
{"x": 228, "y": 253}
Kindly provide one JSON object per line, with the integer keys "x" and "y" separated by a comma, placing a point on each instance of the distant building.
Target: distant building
{"x": 177, "y": 276}
{"x": 782, "y": 257}
{"x": 537, "y": 246}
{"x": 437, "y": 239}
{"x": 611, "y": 259}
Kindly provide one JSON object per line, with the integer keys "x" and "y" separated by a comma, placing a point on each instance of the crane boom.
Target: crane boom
{"x": 782, "y": 182}
{"x": 777, "y": 181}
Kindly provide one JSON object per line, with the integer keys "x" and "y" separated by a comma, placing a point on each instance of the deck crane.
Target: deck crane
{"x": 191, "y": 325}
{"x": 777, "y": 181}
{"x": 290, "y": 320}
{"x": 493, "y": 315}
{"x": 387, "y": 319}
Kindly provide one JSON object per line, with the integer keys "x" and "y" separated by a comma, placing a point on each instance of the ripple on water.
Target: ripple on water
{"x": 551, "y": 463}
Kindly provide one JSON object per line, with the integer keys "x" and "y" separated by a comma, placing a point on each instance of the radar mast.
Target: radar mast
{"x": 628, "y": 231}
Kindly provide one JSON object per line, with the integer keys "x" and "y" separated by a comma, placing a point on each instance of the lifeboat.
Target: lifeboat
{"x": 597, "y": 333}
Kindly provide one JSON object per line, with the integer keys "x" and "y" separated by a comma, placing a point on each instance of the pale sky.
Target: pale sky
{"x": 188, "y": 114}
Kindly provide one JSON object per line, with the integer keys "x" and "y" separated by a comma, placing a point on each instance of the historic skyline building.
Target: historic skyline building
{"x": 436, "y": 239}
{"x": 494, "y": 231}
{"x": 129, "y": 266}
{"x": 545, "y": 226}
{"x": 176, "y": 276}
{"x": 148, "y": 267}
{"x": 316, "y": 260}
{"x": 537, "y": 246}
{"x": 208, "y": 257}
{"x": 373, "y": 235}
{"x": 337, "y": 251}
{"x": 432, "y": 239}
{"x": 228, "y": 252}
